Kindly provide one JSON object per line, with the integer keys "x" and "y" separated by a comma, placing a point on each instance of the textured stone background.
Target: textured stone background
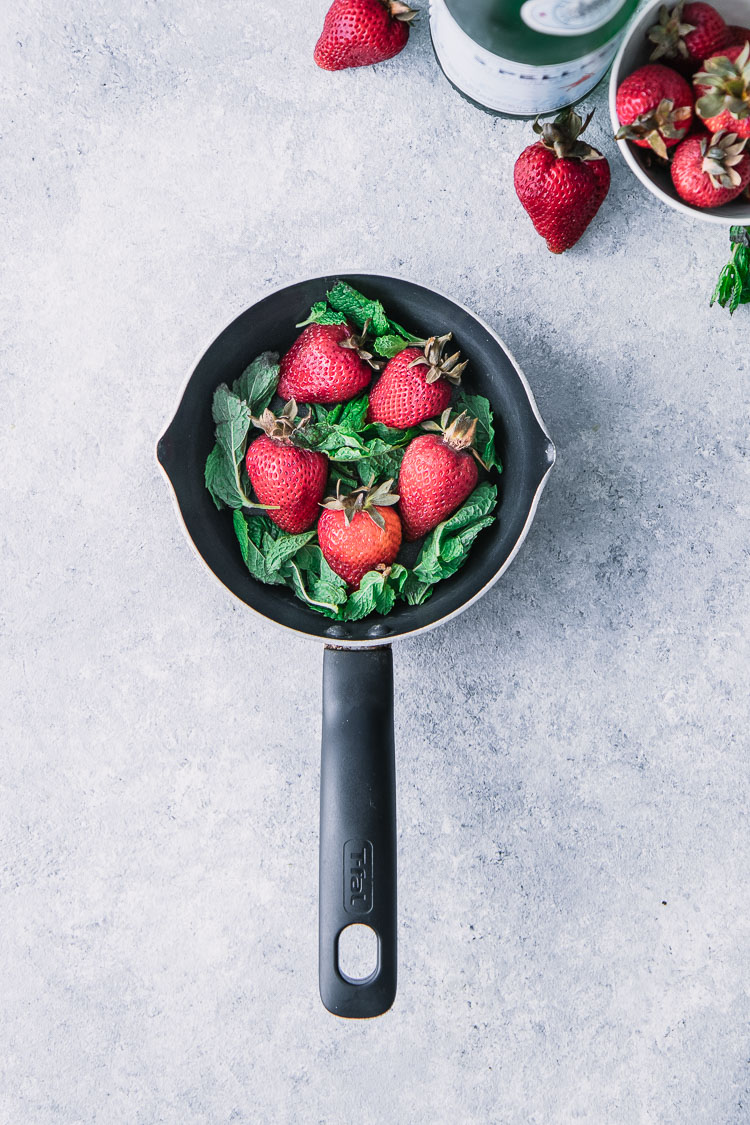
{"x": 572, "y": 752}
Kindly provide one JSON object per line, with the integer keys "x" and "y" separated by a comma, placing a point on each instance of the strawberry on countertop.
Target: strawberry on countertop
{"x": 416, "y": 384}
{"x": 360, "y": 532}
{"x": 362, "y": 32}
{"x": 561, "y": 181}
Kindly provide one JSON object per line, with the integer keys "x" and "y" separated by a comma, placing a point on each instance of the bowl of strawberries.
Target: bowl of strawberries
{"x": 679, "y": 99}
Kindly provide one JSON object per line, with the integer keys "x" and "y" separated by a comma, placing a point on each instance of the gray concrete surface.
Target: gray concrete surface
{"x": 572, "y": 752}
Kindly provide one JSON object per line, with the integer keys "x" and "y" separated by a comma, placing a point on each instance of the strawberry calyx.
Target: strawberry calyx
{"x": 721, "y": 154}
{"x": 561, "y": 136}
{"x": 282, "y": 427}
{"x": 459, "y": 434}
{"x": 656, "y": 126}
{"x": 728, "y": 86}
{"x": 450, "y": 368}
{"x": 367, "y": 498}
{"x": 400, "y": 11}
{"x": 358, "y": 344}
{"x": 669, "y": 34}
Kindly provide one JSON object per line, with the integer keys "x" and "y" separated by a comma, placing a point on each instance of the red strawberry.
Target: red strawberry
{"x": 360, "y": 532}
{"x": 561, "y": 181}
{"x": 437, "y": 474}
{"x": 283, "y": 475}
{"x": 723, "y": 89}
{"x": 711, "y": 171}
{"x": 326, "y": 363}
{"x": 689, "y": 33}
{"x": 737, "y": 35}
{"x": 362, "y": 32}
{"x": 654, "y": 108}
{"x": 406, "y": 393}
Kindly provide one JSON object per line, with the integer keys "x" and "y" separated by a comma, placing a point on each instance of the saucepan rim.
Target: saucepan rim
{"x": 373, "y": 641}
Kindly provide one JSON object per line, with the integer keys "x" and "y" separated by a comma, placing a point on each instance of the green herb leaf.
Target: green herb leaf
{"x": 257, "y": 383}
{"x": 376, "y": 594}
{"x": 358, "y": 308}
{"x": 478, "y": 407}
{"x": 733, "y": 286}
{"x": 390, "y": 345}
{"x": 222, "y": 472}
{"x": 313, "y": 580}
{"x": 321, "y": 314}
{"x": 446, "y": 548}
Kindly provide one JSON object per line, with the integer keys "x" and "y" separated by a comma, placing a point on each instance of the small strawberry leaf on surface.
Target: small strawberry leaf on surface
{"x": 257, "y": 384}
{"x": 484, "y": 442}
{"x": 733, "y": 287}
{"x": 446, "y": 548}
{"x": 321, "y": 314}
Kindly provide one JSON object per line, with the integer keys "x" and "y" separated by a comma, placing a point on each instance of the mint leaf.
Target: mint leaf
{"x": 446, "y": 548}
{"x": 479, "y": 407}
{"x": 285, "y": 547}
{"x": 222, "y": 472}
{"x": 249, "y": 539}
{"x": 321, "y": 314}
{"x": 257, "y": 383}
{"x": 315, "y": 583}
{"x": 390, "y": 345}
{"x": 376, "y": 594}
{"x": 733, "y": 286}
{"x": 358, "y": 308}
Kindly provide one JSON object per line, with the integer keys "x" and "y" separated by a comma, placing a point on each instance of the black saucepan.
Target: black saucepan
{"x": 357, "y": 794}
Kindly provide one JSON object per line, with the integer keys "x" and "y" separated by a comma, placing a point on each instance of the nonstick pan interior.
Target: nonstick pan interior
{"x": 526, "y": 451}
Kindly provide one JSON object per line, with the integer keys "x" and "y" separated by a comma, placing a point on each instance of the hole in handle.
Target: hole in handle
{"x": 358, "y": 948}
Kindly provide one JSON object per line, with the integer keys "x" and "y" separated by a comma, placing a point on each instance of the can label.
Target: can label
{"x": 510, "y": 87}
{"x": 568, "y": 17}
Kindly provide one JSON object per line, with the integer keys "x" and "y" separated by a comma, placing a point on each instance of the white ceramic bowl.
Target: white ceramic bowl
{"x": 633, "y": 53}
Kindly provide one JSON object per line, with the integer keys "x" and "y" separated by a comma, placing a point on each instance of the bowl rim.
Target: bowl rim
{"x": 709, "y": 216}
{"x": 374, "y": 641}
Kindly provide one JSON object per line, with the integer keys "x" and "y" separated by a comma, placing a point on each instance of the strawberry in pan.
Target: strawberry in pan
{"x": 416, "y": 384}
{"x": 438, "y": 472}
{"x": 289, "y": 480}
{"x": 360, "y": 532}
{"x": 327, "y": 363}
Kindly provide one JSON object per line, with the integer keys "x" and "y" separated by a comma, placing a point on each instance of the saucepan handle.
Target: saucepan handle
{"x": 357, "y": 825}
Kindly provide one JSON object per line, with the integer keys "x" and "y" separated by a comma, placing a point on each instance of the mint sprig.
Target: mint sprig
{"x": 733, "y": 286}
{"x": 344, "y": 303}
{"x": 344, "y": 435}
{"x": 232, "y": 410}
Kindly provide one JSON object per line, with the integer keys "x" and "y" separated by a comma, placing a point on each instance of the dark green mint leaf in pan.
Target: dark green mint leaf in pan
{"x": 344, "y": 303}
